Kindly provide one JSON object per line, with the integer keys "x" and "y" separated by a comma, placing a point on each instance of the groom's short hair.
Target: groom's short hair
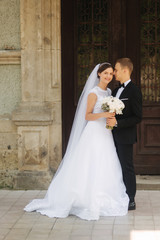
{"x": 126, "y": 62}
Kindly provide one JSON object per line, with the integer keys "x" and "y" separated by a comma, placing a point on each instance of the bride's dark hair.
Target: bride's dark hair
{"x": 103, "y": 66}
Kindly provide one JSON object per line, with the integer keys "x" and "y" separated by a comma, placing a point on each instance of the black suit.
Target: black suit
{"x": 125, "y": 134}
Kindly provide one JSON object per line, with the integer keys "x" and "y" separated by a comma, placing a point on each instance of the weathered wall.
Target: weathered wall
{"x": 10, "y": 24}
{"x": 10, "y": 89}
{"x": 30, "y": 116}
{"x": 8, "y": 153}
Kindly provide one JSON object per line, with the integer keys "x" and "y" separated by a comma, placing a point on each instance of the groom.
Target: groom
{"x": 124, "y": 131}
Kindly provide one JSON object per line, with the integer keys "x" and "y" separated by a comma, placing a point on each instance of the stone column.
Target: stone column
{"x": 38, "y": 117}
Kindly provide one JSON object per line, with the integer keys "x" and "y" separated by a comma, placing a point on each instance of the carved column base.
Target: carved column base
{"x": 33, "y": 145}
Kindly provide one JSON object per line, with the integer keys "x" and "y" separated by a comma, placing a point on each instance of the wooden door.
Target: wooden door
{"x": 147, "y": 58}
{"x": 95, "y": 31}
{"x": 85, "y": 42}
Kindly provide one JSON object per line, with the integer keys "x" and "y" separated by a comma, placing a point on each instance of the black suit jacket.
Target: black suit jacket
{"x": 126, "y": 132}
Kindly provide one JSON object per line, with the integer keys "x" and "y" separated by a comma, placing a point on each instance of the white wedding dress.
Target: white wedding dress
{"x": 91, "y": 184}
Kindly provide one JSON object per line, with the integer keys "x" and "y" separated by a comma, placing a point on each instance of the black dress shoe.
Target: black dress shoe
{"x": 132, "y": 205}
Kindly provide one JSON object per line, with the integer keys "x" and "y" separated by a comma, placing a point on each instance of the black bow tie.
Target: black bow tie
{"x": 122, "y": 85}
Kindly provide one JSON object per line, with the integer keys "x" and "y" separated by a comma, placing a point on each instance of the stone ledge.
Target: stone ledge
{"x": 148, "y": 182}
{"x": 32, "y": 115}
{"x": 10, "y": 57}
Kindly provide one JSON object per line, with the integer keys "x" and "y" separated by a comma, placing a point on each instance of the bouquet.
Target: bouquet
{"x": 112, "y": 104}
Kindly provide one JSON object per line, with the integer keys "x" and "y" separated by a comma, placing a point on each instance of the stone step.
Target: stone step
{"x": 148, "y": 182}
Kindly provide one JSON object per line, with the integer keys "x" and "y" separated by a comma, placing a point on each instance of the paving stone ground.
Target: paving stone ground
{"x": 15, "y": 224}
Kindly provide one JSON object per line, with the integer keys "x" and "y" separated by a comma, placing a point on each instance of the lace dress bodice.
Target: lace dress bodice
{"x": 100, "y": 95}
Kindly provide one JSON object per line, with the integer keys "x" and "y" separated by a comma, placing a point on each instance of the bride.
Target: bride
{"x": 88, "y": 182}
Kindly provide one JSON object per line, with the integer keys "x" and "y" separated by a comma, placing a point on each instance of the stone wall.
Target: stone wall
{"x": 10, "y": 89}
{"x": 8, "y": 153}
{"x": 10, "y": 24}
{"x": 30, "y": 125}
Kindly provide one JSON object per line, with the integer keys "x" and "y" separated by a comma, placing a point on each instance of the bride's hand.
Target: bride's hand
{"x": 109, "y": 115}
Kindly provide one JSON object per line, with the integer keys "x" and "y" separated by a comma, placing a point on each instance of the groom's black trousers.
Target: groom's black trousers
{"x": 125, "y": 154}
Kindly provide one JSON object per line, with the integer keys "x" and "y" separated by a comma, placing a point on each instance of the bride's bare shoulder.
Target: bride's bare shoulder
{"x": 92, "y": 95}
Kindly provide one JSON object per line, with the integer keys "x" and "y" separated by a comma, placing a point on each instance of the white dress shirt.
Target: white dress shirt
{"x": 120, "y": 90}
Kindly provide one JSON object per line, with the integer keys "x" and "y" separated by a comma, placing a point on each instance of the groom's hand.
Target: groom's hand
{"x": 111, "y": 122}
